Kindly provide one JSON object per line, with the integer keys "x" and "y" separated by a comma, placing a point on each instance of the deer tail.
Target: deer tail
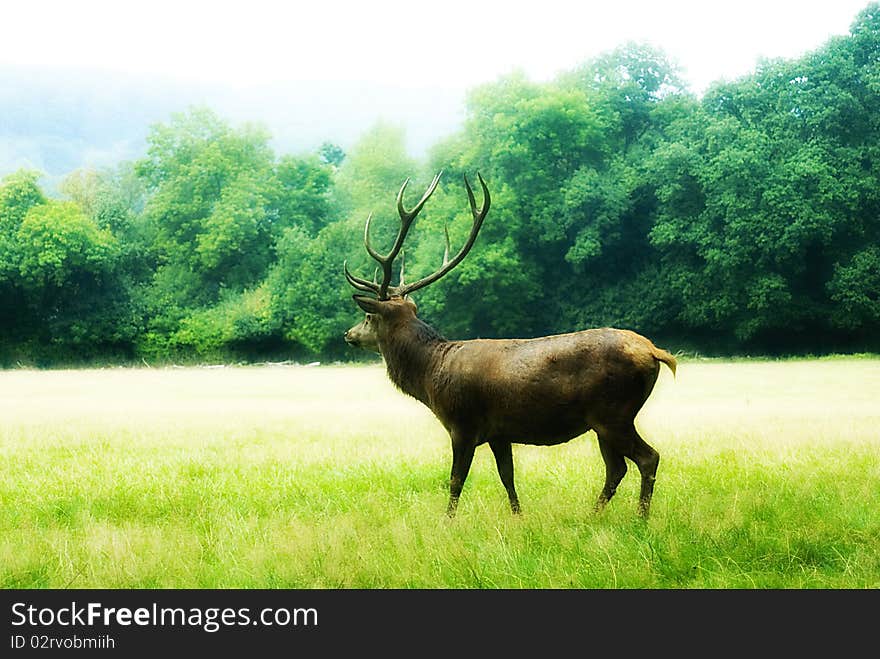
{"x": 662, "y": 355}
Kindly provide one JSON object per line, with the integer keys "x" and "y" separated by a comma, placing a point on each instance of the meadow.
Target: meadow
{"x": 327, "y": 477}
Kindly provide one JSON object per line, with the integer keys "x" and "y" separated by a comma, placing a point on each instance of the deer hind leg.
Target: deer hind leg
{"x": 626, "y": 441}
{"x": 503, "y": 452}
{"x": 646, "y": 459}
{"x": 462, "y": 457}
{"x": 615, "y": 470}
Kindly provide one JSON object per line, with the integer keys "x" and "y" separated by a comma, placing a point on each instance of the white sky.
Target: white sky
{"x": 442, "y": 44}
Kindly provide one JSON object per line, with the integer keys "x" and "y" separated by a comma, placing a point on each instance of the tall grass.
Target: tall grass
{"x": 295, "y": 477}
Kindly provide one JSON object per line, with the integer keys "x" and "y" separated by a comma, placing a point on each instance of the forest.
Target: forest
{"x": 745, "y": 221}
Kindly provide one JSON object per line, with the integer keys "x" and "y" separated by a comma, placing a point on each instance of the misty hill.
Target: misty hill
{"x": 56, "y": 121}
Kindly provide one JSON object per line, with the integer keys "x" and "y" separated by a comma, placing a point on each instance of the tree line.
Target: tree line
{"x": 743, "y": 221}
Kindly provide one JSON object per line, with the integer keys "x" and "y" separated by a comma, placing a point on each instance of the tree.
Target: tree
{"x": 572, "y": 209}
{"x": 220, "y": 206}
{"x": 68, "y": 279}
{"x": 310, "y": 298}
{"x": 301, "y": 194}
{"x": 768, "y": 199}
{"x": 58, "y": 245}
{"x": 376, "y": 164}
{"x": 19, "y": 193}
{"x": 210, "y": 217}
{"x": 209, "y": 185}
{"x": 331, "y": 154}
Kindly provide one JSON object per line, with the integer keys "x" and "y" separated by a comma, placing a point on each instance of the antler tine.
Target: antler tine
{"x": 409, "y": 216}
{"x": 372, "y": 252}
{"x": 385, "y": 261}
{"x": 358, "y": 283}
{"x": 479, "y": 216}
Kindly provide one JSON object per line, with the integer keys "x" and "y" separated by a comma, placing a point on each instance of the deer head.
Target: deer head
{"x": 387, "y": 305}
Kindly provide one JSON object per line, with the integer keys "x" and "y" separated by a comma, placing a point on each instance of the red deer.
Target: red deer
{"x": 541, "y": 391}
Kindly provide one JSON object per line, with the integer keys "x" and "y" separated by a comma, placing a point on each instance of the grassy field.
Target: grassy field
{"x": 327, "y": 477}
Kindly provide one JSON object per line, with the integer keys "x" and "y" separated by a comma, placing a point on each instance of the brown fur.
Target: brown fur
{"x": 541, "y": 391}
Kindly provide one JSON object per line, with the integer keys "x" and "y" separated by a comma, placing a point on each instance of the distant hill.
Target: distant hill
{"x": 57, "y": 121}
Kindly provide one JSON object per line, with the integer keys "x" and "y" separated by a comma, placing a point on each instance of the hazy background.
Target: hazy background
{"x": 81, "y": 83}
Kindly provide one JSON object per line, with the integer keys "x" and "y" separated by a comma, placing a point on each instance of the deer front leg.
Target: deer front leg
{"x": 462, "y": 456}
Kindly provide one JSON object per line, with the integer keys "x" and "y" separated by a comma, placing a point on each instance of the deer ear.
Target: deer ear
{"x": 368, "y": 304}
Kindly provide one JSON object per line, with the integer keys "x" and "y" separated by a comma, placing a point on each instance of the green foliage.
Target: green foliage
{"x": 310, "y": 298}
{"x": 571, "y": 207}
{"x": 488, "y": 293}
{"x": 300, "y": 194}
{"x": 855, "y": 287}
{"x": 219, "y": 206}
{"x": 19, "y": 192}
{"x": 63, "y": 280}
{"x": 238, "y": 324}
{"x": 231, "y": 245}
{"x": 209, "y": 185}
{"x": 331, "y": 154}
{"x": 58, "y": 245}
{"x": 767, "y": 197}
{"x": 377, "y": 163}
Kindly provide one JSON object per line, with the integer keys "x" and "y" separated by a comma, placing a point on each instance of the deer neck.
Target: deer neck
{"x": 411, "y": 354}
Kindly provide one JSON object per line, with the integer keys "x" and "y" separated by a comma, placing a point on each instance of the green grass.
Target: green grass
{"x": 295, "y": 477}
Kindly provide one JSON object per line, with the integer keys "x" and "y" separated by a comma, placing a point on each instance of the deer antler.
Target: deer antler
{"x": 384, "y": 290}
{"x": 479, "y": 216}
{"x": 387, "y": 261}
